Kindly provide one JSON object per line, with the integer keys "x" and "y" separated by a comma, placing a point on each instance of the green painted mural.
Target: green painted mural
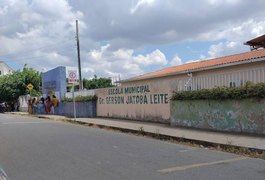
{"x": 245, "y": 115}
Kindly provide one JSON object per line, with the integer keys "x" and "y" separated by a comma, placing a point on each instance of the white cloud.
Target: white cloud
{"x": 88, "y": 70}
{"x": 161, "y": 22}
{"x": 140, "y": 4}
{"x": 33, "y": 31}
{"x": 233, "y": 38}
{"x": 123, "y": 53}
{"x": 259, "y": 28}
{"x": 154, "y": 58}
{"x": 241, "y": 31}
{"x": 121, "y": 62}
{"x": 223, "y": 48}
{"x": 220, "y": 2}
{"x": 42, "y": 33}
{"x": 191, "y": 61}
{"x": 97, "y": 54}
{"x": 216, "y": 50}
{"x": 176, "y": 61}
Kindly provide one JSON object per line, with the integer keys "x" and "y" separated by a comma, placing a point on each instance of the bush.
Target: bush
{"x": 80, "y": 99}
{"x": 248, "y": 91}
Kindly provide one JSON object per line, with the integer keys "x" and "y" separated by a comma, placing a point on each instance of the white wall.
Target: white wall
{"x": 81, "y": 93}
{"x": 23, "y": 103}
{"x": 235, "y": 78}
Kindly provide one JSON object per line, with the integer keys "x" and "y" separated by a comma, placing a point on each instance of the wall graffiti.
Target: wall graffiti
{"x": 245, "y": 115}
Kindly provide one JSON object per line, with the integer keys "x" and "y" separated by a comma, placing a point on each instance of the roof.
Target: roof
{"x": 6, "y": 65}
{"x": 202, "y": 65}
{"x": 258, "y": 41}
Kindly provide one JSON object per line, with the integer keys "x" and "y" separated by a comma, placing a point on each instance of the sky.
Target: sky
{"x": 125, "y": 38}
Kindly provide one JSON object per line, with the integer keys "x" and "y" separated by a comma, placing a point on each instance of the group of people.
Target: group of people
{"x": 43, "y": 105}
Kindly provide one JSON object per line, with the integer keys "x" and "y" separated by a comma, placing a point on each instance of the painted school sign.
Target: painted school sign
{"x": 135, "y": 101}
{"x": 133, "y": 95}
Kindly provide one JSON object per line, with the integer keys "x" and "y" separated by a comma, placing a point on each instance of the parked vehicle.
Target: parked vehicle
{"x": 3, "y": 107}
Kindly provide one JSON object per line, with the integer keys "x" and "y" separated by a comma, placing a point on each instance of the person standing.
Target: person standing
{"x": 48, "y": 105}
{"x": 30, "y": 106}
{"x": 42, "y": 105}
{"x": 34, "y": 106}
{"x": 55, "y": 103}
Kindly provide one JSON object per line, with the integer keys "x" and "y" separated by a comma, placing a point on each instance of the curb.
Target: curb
{"x": 55, "y": 117}
{"x": 251, "y": 152}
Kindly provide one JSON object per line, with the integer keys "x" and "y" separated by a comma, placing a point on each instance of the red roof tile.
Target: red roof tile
{"x": 202, "y": 64}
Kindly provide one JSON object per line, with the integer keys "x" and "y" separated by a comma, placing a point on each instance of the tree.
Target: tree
{"x": 14, "y": 85}
{"x": 96, "y": 83}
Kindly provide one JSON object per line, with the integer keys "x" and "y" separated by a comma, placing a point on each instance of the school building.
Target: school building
{"x": 147, "y": 97}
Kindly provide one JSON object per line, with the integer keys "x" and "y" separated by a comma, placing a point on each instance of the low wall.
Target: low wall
{"x": 245, "y": 116}
{"x": 23, "y": 103}
{"x": 83, "y": 109}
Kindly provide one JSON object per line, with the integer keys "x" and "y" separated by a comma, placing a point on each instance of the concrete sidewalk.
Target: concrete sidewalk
{"x": 246, "y": 141}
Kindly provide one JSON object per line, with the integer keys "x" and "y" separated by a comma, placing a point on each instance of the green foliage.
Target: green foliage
{"x": 14, "y": 85}
{"x": 80, "y": 99}
{"x": 35, "y": 93}
{"x": 76, "y": 87}
{"x": 96, "y": 83}
{"x": 248, "y": 91}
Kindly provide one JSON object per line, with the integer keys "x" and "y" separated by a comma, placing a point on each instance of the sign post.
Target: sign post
{"x": 30, "y": 87}
{"x": 72, "y": 75}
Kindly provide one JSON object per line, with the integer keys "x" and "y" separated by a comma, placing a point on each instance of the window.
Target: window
{"x": 236, "y": 83}
{"x": 188, "y": 88}
{"x": 232, "y": 84}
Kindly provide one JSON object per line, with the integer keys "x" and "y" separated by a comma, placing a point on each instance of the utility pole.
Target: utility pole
{"x": 78, "y": 57}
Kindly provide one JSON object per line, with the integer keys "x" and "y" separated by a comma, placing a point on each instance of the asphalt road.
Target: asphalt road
{"x": 41, "y": 149}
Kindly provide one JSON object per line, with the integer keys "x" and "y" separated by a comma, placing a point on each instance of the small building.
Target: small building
{"x": 5, "y": 69}
{"x": 146, "y": 97}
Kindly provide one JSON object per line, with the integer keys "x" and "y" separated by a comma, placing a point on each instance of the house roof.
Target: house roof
{"x": 257, "y": 42}
{"x": 7, "y": 66}
{"x": 202, "y": 65}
